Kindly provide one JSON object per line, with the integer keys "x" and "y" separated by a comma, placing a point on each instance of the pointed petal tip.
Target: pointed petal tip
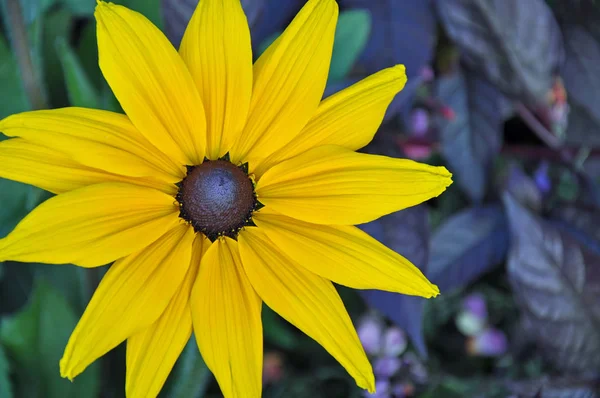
{"x": 435, "y": 291}
{"x": 100, "y": 5}
{"x": 446, "y": 176}
{"x": 10, "y": 121}
{"x": 399, "y": 72}
{"x": 367, "y": 382}
{"x": 3, "y": 255}
{"x": 66, "y": 372}
{"x": 396, "y": 75}
{"x": 329, "y": 3}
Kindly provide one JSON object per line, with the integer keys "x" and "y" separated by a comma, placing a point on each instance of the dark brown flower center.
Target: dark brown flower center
{"x": 217, "y": 198}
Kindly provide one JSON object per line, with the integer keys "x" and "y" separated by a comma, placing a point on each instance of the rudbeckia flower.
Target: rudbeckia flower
{"x": 225, "y": 185}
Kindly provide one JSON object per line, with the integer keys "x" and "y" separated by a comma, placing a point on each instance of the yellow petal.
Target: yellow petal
{"x": 98, "y": 139}
{"x": 91, "y": 226}
{"x": 216, "y": 48}
{"x": 54, "y": 171}
{"x": 227, "y": 324}
{"x": 349, "y": 118}
{"x": 345, "y": 255}
{"x": 289, "y": 80}
{"x": 132, "y": 295}
{"x": 333, "y": 185}
{"x": 306, "y": 300}
{"x": 151, "y": 82}
{"x": 151, "y": 353}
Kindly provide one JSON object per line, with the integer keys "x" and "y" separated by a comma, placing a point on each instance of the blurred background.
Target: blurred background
{"x": 504, "y": 93}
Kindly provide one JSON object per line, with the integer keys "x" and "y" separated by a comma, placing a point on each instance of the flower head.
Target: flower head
{"x": 225, "y": 185}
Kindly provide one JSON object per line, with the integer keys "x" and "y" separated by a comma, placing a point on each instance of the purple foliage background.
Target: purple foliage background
{"x": 504, "y": 93}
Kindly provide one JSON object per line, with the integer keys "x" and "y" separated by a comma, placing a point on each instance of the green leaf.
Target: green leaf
{"x": 80, "y": 89}
{"x": 13, "y": 98}
{"x": 81, "y": 8}
{"x": 35, "y": 35}
{"x": 5, "y": 384}
{"x": 277, "y": 330}
{"x": 69, "y": 279}
{"x": 191, "y": 376}
{"x": 351, "y": 35}
{"x": 16, "y": 200}
{"x": 33, "y": 9}
{"x": 87, "y": 53}
{"x": 149, "y": 8}
{"x": 36, "y": 338}
{"x": 262, "y": 47}
{"x": 15, "y": 287}
{"x": 56, "y": 28}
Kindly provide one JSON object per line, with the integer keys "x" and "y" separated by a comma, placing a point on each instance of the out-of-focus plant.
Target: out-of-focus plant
{"x": 504, "y": 93}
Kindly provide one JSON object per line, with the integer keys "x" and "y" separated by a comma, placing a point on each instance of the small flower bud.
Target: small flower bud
{"x": 475, "y": 304}
{"x": 469, "y": 324}
{"x": 386, "y": 367}
{"x": 394, "y": 342}
{"x": 489, "y": 343}
{"x": 419, "y": 122}
{"x": 370, "y": 334}
{"x": 273, "y": 367}
{"x": 542, "y": 179}
{"x": 427, "y": 73}
{"x": 403, "y": 390}
{"x": 382, "y": 390}
{"x": 472, "y": 319}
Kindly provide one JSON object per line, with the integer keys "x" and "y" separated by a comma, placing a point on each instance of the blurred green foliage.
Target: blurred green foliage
{"x": 40, "y": 304}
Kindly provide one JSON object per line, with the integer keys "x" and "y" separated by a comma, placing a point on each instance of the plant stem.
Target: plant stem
{"x": 564, "y": 154}
{"x": 538, "y": 128}
{"x": 20, "y": 45}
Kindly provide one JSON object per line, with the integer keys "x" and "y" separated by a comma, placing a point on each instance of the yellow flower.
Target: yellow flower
{"x": 227, "y": 184}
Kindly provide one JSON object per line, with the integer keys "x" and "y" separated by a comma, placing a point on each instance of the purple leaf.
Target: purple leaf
{"x": 472, "y": 140}
{"x": 265, "y": 17}
{"x": 466, "y": 246}
{"x": 274, "y": 16}
{"x": 554, "y": 388}
{"x": 177, "y": 14}
{"x": 556, "y": 282}
{"x": 406, "y": 232}
{"x": 516, "y": 44}
{"x": 403, "y": 32}
{"x": 580, "y": 74}
{"x": 524, "y": 189}
{"x": 583, "y": 224}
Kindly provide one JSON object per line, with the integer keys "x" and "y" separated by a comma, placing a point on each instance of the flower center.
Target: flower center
{"x": 217, "y": 198}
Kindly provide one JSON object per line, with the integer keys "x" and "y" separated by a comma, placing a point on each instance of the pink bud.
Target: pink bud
{"x": 489, "y": 343}
{"x": 447, "y": 112}
{"x": 416, "y": 151}
{"x": 273, "y": 367}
